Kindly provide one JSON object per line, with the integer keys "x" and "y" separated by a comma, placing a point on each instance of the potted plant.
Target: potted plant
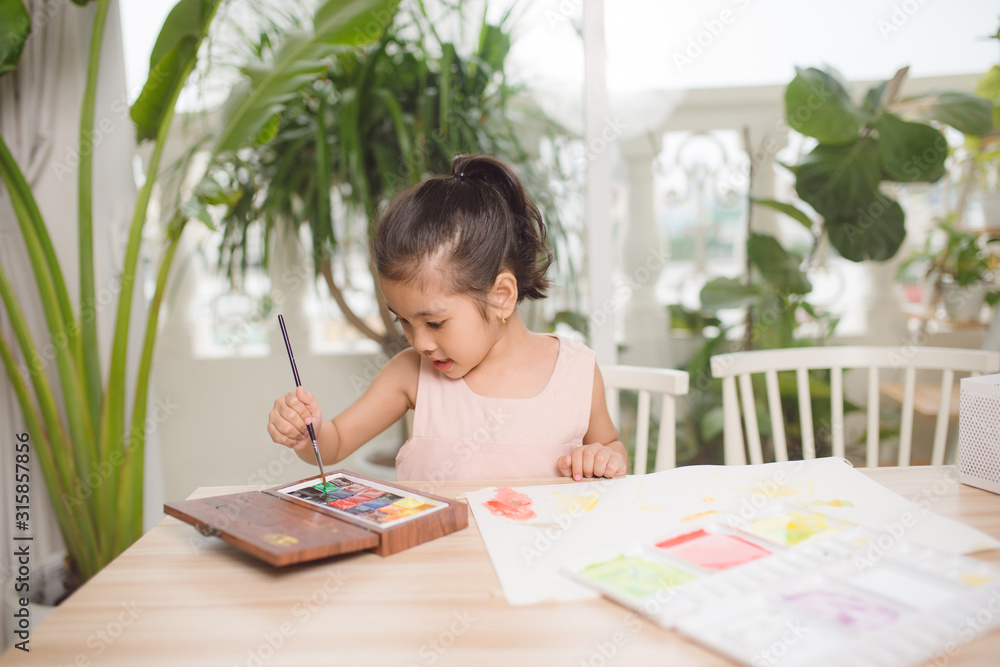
{"x": 326, "y": 165}
{"x": 91, "y": 449}
{"x": 959, "y": 270}
{"x": 985, "y": 149}
{"x": 864, "y": 145}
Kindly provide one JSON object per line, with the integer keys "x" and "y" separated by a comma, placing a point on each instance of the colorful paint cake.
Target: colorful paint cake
{"x": 846, "y": 609}
{"x": 362, "y": 501}
{"x": 635, "y": 577}
{"x": 712, "y": 551}
{"x": 793, "y": 527}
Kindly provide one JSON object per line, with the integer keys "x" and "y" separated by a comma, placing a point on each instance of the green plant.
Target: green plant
{"x": 372, "y": 121}
{"x": 962, "y": 259}
{"x": 985, "y": 150}
{"x": 864, "y": 145}
{"x": 94, "y": 438}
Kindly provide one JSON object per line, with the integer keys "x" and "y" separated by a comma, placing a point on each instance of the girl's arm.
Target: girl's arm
{"x": 602, "y": 454}
{"x": 390, "y": 395}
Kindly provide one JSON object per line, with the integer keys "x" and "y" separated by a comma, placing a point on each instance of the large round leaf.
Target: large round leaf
{"x": 16, "y": 27}
{"x": 728, "y": 293}
{"x": 837, "y": 180}
{"x": 779, "y": 267}
{"x": 876, "y": 233}
{"x": 788, "y": 209}
{"x": 910, "y": 152}
{"x": 968, "y": 113}
{"x": 818, "y": 105}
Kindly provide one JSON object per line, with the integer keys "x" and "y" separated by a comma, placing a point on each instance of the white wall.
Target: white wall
{"x": 212, "y": 417}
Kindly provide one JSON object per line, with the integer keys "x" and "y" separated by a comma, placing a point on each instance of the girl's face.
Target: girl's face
{"x": 448, "y": 329}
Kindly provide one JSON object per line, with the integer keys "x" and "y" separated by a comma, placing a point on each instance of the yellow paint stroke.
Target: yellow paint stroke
{"x": 692, "y": 517}
{"x": 279, "y": 540}
{"x": 708, "y": 500}
{"x": 642, "y": 503}
{"x": 829, "y": 503}
{"x": 975, "y": 579}
{"x": 575, "y": 502}
{"x": 772, "y": 489}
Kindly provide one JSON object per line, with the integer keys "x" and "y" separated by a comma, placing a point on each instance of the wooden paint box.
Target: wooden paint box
{"x": 304, "y": 521}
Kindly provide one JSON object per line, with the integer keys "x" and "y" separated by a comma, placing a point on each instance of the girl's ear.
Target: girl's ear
{"x": 505, "y": 294}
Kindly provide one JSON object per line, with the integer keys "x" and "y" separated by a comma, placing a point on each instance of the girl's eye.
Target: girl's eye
{"x": 435, "y": 325}
{"x": 400, "y": 320}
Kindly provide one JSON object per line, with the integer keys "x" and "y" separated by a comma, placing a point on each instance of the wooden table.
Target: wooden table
{"x": 177, "y": 598}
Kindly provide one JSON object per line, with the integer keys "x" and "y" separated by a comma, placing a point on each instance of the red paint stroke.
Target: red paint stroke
{"x": 510, "y": 504}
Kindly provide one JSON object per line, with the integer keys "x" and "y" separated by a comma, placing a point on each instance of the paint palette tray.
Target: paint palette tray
{"x": 876, "y": 601}
{"x": 717, "y": 562}
{"x": 840, "y": 595}
{"x": 307, "y": 520}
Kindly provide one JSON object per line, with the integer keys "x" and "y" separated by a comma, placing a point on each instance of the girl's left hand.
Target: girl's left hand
{"x": 593, "y": 460}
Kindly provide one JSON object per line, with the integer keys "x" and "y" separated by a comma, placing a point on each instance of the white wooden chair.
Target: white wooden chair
{"x": 741, "y": 365}
{"x": 646, "y": 381}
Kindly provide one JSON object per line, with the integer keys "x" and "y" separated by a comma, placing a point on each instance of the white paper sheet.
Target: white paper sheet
{"x": 533, "y": 531}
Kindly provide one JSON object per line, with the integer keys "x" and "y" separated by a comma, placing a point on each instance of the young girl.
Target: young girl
{"x": 492, "y": 400}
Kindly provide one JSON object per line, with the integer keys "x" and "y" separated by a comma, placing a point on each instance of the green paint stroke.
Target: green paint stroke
{"x": 635, "y": 577}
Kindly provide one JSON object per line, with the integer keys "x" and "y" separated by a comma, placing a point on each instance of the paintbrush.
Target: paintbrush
{"x": 298, "y": 383}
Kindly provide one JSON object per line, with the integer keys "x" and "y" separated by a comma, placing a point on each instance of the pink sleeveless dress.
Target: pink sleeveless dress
{"x": 458, "y": 434}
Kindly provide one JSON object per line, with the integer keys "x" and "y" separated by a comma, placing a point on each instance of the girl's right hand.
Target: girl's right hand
{"x": 286, "y": 423}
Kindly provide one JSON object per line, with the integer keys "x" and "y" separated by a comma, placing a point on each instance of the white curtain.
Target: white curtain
{"x": 39, "y": 120}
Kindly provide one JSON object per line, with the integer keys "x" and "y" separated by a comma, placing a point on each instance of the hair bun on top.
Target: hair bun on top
{"x": 479, "y": 219}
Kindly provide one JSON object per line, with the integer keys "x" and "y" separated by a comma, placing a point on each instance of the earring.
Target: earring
{"x": 504, "y": 320}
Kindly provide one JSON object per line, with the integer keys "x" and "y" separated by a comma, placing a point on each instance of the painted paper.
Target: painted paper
{"x": 532, "y": 532}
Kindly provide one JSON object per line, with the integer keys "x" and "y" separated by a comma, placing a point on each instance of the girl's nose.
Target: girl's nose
{"x": 423, "y": 341}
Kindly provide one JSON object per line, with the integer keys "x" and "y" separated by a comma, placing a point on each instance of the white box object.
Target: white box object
{"x": 979, "y": 432}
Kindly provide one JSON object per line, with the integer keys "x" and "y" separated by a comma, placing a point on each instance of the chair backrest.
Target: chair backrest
{"x": 741, "y": 365}
{"x": 646, "y": 381}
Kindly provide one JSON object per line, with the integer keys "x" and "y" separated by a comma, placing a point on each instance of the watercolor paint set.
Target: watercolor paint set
{"x": 366, "y": 502}
{"x": 795, "y": 586}
{"x": 877, "y": 602}
{"x": 310, "y": 519}
{"x": 714, "y": 553}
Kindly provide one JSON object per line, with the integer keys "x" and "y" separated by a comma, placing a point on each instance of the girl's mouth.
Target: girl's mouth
{"x": 443, "y": 364}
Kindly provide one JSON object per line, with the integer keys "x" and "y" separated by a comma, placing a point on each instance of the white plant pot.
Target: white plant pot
{"x": 963, "y": 304}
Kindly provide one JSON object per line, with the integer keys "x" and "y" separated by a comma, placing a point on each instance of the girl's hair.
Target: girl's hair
{"x": 477, "y": 222}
